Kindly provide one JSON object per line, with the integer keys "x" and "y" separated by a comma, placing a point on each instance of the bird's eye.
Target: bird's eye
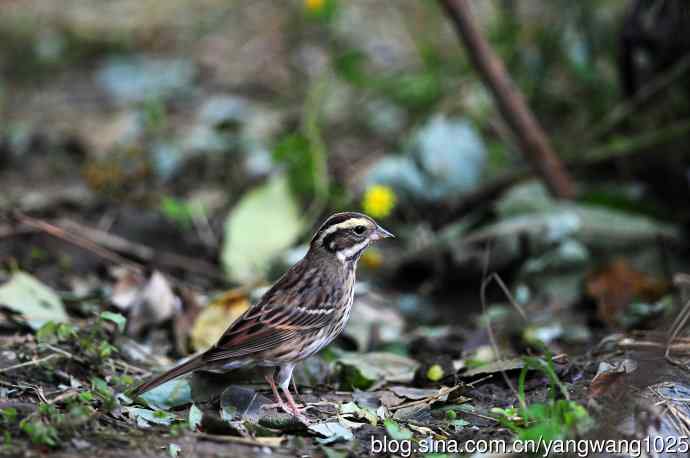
{"x": 359, "y": 230}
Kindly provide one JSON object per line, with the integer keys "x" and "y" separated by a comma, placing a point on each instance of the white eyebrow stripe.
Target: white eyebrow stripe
{"x": 347, "y": 224}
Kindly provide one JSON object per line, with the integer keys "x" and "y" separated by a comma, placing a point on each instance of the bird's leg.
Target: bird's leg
{"x": 284, "y": 376}
{"x": 272, "y": 382}
{"x": 296, "y": 411}
{"x": 297, "y": 394}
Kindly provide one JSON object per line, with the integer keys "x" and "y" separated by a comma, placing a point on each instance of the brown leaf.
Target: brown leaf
{"x": 610, "y": 376}
{"x": 215, "y": 318}
{"x": 615, "y": 286}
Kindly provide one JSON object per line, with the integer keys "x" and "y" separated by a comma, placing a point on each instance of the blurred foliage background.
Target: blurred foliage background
{"x": 225, "y": 130}
{"x": 168, "y": 151}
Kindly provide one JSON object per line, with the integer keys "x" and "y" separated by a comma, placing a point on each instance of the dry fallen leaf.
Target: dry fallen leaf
{"x": 617, "y": 285}
{"x": 610, "y": 375}
{"x": 150, "y": 303}
{"x": 215, "y": 318}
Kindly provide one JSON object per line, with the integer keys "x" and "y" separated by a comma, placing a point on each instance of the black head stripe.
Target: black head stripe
{"x": 336, "y": 219}
{"x": 329, "y": 240}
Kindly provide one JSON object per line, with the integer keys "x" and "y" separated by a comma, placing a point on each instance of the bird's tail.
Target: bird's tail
{"x": 175, "y": 372}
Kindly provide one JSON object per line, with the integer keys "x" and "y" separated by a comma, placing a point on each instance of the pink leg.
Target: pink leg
{"x": 284, "y": 377}
{"x": 269, "y": 379}
{"x": 294, "y": 410}
{"x": 291, "y": 402}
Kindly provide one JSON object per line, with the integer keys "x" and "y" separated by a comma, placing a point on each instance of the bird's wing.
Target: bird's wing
{"x": 269, "y": 327}
{"x": 298, "y": 304}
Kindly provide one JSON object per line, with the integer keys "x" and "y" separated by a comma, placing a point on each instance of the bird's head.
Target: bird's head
{"x": 347, "y": 235}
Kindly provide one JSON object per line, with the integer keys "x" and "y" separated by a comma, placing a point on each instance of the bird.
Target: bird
{"x": 306, "y": 308}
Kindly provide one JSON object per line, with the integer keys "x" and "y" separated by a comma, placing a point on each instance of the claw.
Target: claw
{"x": 292, "y": 408}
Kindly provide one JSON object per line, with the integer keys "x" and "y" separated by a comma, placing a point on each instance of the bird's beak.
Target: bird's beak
{"x": 381, "y": 233}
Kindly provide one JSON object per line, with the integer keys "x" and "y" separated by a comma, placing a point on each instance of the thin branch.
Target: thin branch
{"x": 143, "y": 252}
{"x": 81, "y": 242}
{"x": 629, "y": 107}
{"x": 236, "y": 440}
{"x": 634, "y": 144}
{"x": 34, "y": 362}
{"x": 492, "y": 339}
{"x": 533, "y": 141}
{"x": 108, "y": 246}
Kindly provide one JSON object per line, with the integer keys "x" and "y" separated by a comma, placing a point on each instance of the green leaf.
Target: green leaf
{"x": 295, "y": 152}
{"x": 528, "y": 209}
{"x": 195, "y": 417}
{"x": 174, "y": 450}
{"x": 37, "y": 302}
{"x": 101, "y": 387}
{"x": 417, "y": 91}
{"x": 331, "y": 432}
{"x": 264, "y": 223}
{"x": 352, "y": 409}
{"x": 145, "y": 416}
{"x": 350, "y": 66}
{"x": 171, "y": 394}
{"x": 39, "y": 432}
{"x": 47, "y": 333}
{"x": 396, "y": 431}
{"x": 116, "y": 318}
{"x": 8, "y": 414}
{"x": 363, "y": 370}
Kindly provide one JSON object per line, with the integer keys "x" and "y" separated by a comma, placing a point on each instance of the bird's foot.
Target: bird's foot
{"x": 298, "y": 414}
{"x": 295, "y": 410}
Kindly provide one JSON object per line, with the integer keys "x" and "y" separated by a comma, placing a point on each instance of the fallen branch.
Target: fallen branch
{"x": 627, "y": 108}
{"x": 34, "y": 362}
{"x": 82, "y": 242}
{"x": 143, "y": 252}
{"x": 236, "y": 440}
{"x": 111, "y": 247}
{"x": 631, "y": 145}
{"x": 533, "y": 141}
{"x": 486, "y": 280}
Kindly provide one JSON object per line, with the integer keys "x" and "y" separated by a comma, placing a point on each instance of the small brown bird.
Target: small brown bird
{"x": 300, "y": 314}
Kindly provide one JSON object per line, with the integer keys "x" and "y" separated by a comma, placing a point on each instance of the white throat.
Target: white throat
{"x": 348, "y": 253}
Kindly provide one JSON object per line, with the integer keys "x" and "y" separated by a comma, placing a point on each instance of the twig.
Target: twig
{"x": 143, "y": 252}
{"x": 428, "y": 400}
{"x": 81, "y": 242}
{"x": 479, "y": 380}
{"x": 630, "y": 145}
{"x": 72, "y": 392}
{"x": 34, "y": 362}
{"x": 12, "y": 385}
{"x": 489, "y": 329}
{"x": 679, "y": 323}
{"x": 627, "y": 108}
{"x": 64, "y": 352}
{"x": 674, "y": 348}
{"x": 235, "y": 440}
{"x": 107, "y": 246}
{"x": 533, "y": 141}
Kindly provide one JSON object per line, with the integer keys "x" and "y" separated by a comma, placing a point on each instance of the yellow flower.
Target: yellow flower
{"x": 314, "y": 5}
{"x": 378, "y": 201}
